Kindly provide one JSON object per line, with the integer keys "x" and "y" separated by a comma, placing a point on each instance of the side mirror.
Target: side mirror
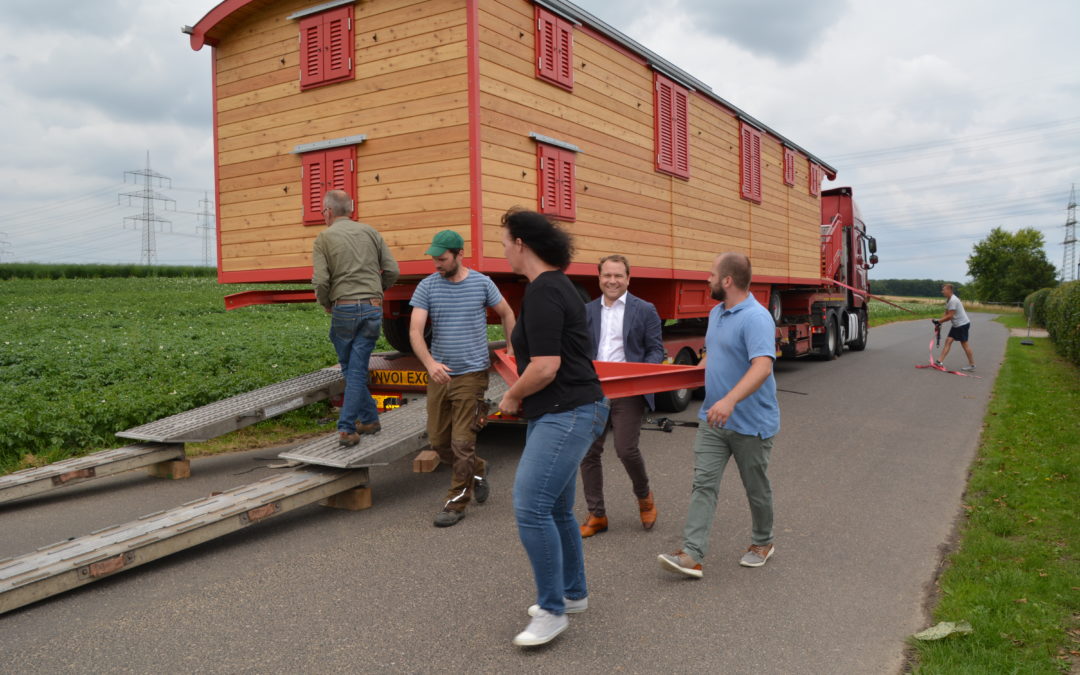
{"x": 872, "y": 244}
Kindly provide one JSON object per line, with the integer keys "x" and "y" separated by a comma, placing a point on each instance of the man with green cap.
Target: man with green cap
{"x": 456, "y": 299}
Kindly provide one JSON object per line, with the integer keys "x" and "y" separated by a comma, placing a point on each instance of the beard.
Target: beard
{"x": 451, "y": 272}
{"x": 718, "y": 293}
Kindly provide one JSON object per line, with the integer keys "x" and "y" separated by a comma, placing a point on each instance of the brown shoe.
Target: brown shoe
{"x": 372, "y": 428}
{"x": 647, "y": 506}
{"x": 348, "y": 439}
{"x": 594, "y": 525}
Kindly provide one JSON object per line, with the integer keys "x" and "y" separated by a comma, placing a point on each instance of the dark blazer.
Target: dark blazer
{"x": 641, "y": 332}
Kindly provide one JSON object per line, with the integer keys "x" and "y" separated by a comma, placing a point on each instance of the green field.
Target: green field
{"x": 83, "y": 358}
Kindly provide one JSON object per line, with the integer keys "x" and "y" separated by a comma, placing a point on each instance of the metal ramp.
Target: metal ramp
{"x": 76, "y": 562}
{"x": 31, "y": 482}
{"x": 222, "y": 417}
{"x": 404, "y": 430}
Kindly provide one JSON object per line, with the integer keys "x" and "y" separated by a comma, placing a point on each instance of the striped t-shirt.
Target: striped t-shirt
{"x": 458, "y": 319}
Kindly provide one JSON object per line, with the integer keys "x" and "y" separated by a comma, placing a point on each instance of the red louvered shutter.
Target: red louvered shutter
{"x": 314, "y": 186}
{"x": 547, "y": 177}
{"x": 546, "y": 45}
{"x": 750, "y": 162}
{"x": 815, "y": 180}
{"x": 341, "y": 171}
{"x": 789, "y": 166}
{"x": 311, "y": 61}
{"x": 680, "y": 132}
{"x": 339, "y": 47}
{"x": 565, "y": 65}
{"x": 665, "y": 142}
{"x": 567, "y": 206}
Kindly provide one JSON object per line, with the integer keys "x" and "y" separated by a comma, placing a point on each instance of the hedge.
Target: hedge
{"x": 1035, "y": 306}
{"x": 1063, "y": 319}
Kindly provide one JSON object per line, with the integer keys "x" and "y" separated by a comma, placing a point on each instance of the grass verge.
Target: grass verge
{"x": 1015, "y": 575}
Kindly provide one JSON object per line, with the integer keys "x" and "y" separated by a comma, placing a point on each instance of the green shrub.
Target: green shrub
{"x": 1063, "y": 319}
{"x": 1035, "y": 306}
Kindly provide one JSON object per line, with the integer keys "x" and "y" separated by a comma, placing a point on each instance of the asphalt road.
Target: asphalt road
{"x": 868, "y": 473}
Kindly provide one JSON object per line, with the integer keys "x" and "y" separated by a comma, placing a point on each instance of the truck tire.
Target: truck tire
{"x": 859, "y": 343}
{"x": 826, "y": 349}
{"x": 396, "y": 332}
{"x": 775, "y": 307}
{"x": 678, "y": 400}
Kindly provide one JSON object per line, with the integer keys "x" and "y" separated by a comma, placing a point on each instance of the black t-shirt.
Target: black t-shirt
{"x": 552, "y": 323}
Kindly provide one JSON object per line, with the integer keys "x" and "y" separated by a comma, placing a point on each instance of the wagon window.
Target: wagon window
{"x": 554, "y": 48}
{"x": 325, "y": 170}
{"x": 749, "y": 162}
{"x": 789, "y": 166}
{"x": 816, "y": 176}
{"x": 326, "y": 47}
{"x": 555, "y": 181}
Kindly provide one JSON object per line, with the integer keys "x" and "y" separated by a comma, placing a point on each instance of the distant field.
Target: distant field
{"x": 83, "y": 358}
{"x": 924, "y": 308}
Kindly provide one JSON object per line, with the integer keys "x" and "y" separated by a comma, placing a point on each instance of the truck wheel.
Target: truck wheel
{"x": 859, "y": 343}
{"x": 828, "y": 342}
{"x": 678, "y": 400}
{"x": 396, "y": 332}
{"x": 775, "y": 306}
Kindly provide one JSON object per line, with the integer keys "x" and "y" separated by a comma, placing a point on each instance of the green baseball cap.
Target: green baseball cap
{"x": 444, "y": 240}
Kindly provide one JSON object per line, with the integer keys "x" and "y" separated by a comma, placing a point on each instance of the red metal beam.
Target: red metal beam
{"x": 619, "y": 380}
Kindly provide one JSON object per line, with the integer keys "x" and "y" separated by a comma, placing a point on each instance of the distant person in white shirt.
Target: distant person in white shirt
{"x": 623, "y": 328}
{"x": 954, "y": 312}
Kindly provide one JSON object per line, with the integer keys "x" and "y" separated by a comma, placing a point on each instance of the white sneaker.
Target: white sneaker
{"x": 544, "y": 628}
{"x": 968, "y": 368}
{"x": 572, "y": 606}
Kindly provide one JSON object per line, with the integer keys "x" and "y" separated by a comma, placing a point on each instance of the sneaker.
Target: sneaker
{"x": 681, "y": 562}
{"x": 572, "y": 606}
{"x": 756, "y": 556}
{"x": 448, "y": 517}
{"x": 594, "y": 525}
{"x": 481, "y": 489}
{"x": 371, "y": 428}
{"x": 968, "y": 368}
{"x": 543, "y": 628}
{"x": 939, "y": 364}
{"x": 347, "y": 439}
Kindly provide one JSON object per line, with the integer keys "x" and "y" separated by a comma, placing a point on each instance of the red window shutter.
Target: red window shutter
{"x": 567, "y": 206}
{"x": 815, "y": 180}
{"x": 326, "y": 170}
{"x": 672, "y": 123}
{"x": 789, "y": 166}
{"x": 337, "y": 28}
{"x": 565, "y": 65}
{"x": 311, "y": 61}
{"x": 750, "y": 162}
{"x": 547, "y": 178}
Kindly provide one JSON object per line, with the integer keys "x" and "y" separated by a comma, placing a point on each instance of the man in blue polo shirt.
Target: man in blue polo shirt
{"x": 739, "y": 418}
{"x": 456, "y": 299}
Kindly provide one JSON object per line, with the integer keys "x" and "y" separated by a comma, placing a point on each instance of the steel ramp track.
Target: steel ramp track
{"x": 404, "y": 430}
{"x": 222, "y": 417}
{"x": 72, "y": 563}
{"x": 31, "y": 482}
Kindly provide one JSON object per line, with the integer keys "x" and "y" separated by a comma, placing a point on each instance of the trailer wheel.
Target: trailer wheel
{"x": 859, "y": 343}
{"x": 678, "y": 400}
{"x": 396, "y": 332}
{"x": 775, "y": 306}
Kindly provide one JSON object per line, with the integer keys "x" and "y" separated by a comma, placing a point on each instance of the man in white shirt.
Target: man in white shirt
{"x": 954, "y": 312}
{"x": 623, "y": 328}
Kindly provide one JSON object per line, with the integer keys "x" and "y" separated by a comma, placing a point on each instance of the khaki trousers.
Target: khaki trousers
{"x": 451, "y": 410}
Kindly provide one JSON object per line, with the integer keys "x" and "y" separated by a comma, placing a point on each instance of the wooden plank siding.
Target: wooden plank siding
{"x": 409, "y": 99}
{"x": 623, "y": 204}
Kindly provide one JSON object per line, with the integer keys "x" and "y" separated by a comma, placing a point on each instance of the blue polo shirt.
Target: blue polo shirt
{"x": 734, "y": 337}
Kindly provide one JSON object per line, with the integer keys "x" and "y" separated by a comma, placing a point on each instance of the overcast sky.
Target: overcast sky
{"x": 947, "y": 118}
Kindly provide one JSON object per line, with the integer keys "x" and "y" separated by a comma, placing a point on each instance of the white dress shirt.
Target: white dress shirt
{"x": 611, "y": 330}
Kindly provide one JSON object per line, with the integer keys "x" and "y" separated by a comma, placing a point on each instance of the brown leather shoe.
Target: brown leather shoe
{"x": 647, "y": 506}
{"x": 347, "y": 439}
{"x": 372, "y": 428}
{"x": 594, "y": 525}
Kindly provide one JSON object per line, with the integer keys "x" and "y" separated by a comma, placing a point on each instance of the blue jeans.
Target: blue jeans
{"x": 544, "y": 489}
{"x": 354, "y": 330}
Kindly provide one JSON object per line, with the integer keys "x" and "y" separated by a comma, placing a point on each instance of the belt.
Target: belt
{"x": 374, "y": 302}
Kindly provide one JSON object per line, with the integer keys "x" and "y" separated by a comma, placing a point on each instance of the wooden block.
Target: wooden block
{"x": 425, "y": 462}
{"x": 172, "y": 470}
{"x": 356, "y": 499}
